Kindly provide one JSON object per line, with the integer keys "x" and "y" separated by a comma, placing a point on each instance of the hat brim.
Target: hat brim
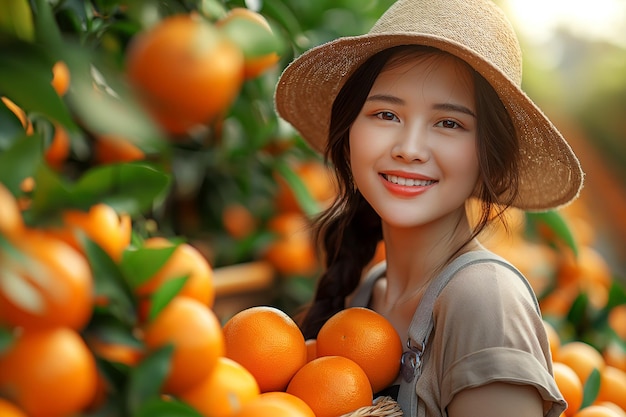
{"x": 550, "y": 173}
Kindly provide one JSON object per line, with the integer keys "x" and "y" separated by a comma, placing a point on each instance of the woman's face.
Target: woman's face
{"x": 413, "y": 145}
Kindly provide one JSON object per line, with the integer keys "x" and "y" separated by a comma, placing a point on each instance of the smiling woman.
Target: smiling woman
{"x": 601, "y": 19}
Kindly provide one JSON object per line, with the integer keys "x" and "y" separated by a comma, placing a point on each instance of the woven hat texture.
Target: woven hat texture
{"x": 476, "y": 31}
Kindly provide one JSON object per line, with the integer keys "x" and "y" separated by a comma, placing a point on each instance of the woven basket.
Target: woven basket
{"x": 381, "y": 407}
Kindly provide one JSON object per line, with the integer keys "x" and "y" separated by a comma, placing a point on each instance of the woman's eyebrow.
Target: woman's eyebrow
{"x": 385, "y": 98}
{"x": 454, "y": 107}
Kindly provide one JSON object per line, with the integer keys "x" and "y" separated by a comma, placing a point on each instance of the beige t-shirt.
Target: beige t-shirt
{"x": 486, "y": 329}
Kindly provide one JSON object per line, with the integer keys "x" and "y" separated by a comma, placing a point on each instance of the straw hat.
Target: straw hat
{"x": 476, "y": 31}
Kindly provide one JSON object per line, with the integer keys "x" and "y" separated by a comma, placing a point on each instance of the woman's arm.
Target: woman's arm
{"x": 496, "y": 400}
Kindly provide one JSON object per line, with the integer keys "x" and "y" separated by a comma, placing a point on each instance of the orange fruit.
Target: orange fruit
{"x": 596, "y": 411}
{"x": 49, "y": 285}
{"x": 317, "y": 179}
{"x": 554, "y": 340}
{"x": 20, "y": 113}
{"x": 254, "y": 63}
{"x": 195, "y": 332}
{"x": 332, "y": 386}
{"x": 292, "y": 253}
{"x": 59, "y": 149}
{"x": 268, "y": 343}
{"x": 617, "y": 320}
{"x": 608, "y": 404}
{"x": 226, "y": 389}
{"x": 570, "y": 386}
{"x": 103, "y": 225}
{"x": 60, "y": 77}
{"x": 275, "y": 404}
{"x": 367, "y": 338}
{"x": 49, "y": 373}
{"x": 614, "y": 355}
{"x": 185, "y": 71}
{"x": 311, "y": 349}
{"x": 110, "y": 149}
{"x": 613, "y": 386}
{"x": 8, "y": 409}
{"x": 184, "y": 261}
{"x": 581, "y": 357}
{"x": 11, "y": 221}
{"x": 238, "y": 221}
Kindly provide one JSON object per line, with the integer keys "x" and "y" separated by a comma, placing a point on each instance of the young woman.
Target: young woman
{"x": 420, "y": 117}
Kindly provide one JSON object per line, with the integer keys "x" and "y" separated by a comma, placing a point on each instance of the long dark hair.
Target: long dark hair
{"x": 349, "y": 231}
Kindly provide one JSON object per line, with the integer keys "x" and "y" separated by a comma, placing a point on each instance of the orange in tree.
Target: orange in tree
{"x": 255, "y": 63}
{"x": 317, "y": 179}
{"x": 102, "y": 225}
{"x": 276, "y": 404}
{"x": 184, "y": 261}
{"x": 227, "y": 388}
{"x": 48, "y": 284}
{"x": 185, "y": 71}
{"x": 613, "y": 386}
{"x": 195, "y": 332}
{"x": 238, "y": 221}
{"x": 292, "y": 253}
{"x": 581, "y": 357}
{"x": 367, "y": 338}
{"x": 48, "y": 373}
{"x": 109, "y": 149}
{"x": 597, "y": 411}
{"x": 8, "y": 409}
{"x": 59, "y": 149}
{"x": 570, "y": 386}
{"x": 268, "y": 343}
{"x": 332, "y": 386}
{"x": 60, "y": 77}
{"x": 11, "y": 221}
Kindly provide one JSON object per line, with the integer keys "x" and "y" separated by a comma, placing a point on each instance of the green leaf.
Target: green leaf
{"x": 129, "y": 187}
{"x": 20, "y": 161}
{"x": 109, "y": 282}
{"x": 139, "y": 265}
{"x": 147, "y": 378}
{"x": 166, "y": 408}
{"x": 591, "y": 388}
{"x": 302, "y": 194}
{"x": 164, "y": 295}
{"x": 16, "y": 20}
{"x": 557, "y": 224}
{"x": 6, "y": 339}
{"x": 253, "y": 39}
{"x": 51, "y": 195}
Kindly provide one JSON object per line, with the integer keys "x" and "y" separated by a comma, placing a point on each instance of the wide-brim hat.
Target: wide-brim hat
{"x": 478, "y": 32}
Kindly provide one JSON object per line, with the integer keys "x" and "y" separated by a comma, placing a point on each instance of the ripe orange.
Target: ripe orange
{"x": 267, "y": 342}
{"x": 332, "y": 386}
{"x": 186, "y": 72}
{"x": 59, "y": 149}
{"x": 11, "y": 221}
{"x": 60, "y": 78}
{"x": 103, "y": 225}
{"x": 238, "y": 221}
{"x": 8, "y": 409}
{"x": 195, "y": 332}
{"x": 581, "y": 357}
{"x": 276, "y": 404}
{"x": 613, "y": 386}
{"x": 367, "y": 338}
{"x": 570, "y": 386}
{"x": 292, "y": 253}
{"x": 109, "y": 149}
{"x": 608, "y": 404}
{"x": 49, "y": 373}
{"x": 311, "y": 349}
{"x": 596, "y": 411}
{"x": 617, "y": 320}
{"x": 254, "y": 63}
{"x": 614, "y": 354}
{"x": 50, "y": 285}
{"x": 227, "y": 388}
{"x": 185, "y": 260}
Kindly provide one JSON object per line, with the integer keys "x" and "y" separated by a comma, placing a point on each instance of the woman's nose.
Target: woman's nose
{"x": 411, "y": 146}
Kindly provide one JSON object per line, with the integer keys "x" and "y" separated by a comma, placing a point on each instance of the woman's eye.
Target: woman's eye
{"x": 448, "y": 124}
{"x": 386, "y": 115}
